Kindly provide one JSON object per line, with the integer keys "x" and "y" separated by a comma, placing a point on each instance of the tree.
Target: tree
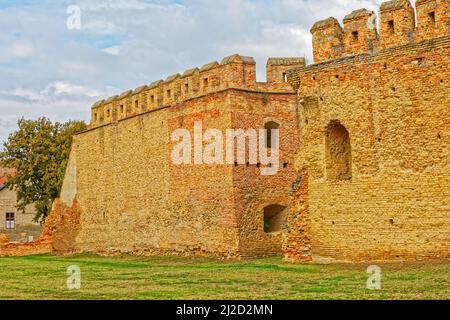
{"x": 38, "y": 152}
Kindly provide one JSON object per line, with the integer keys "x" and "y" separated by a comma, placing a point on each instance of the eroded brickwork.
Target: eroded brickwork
{"x": 132, "y": 198}
{"x": 385, "y": 195}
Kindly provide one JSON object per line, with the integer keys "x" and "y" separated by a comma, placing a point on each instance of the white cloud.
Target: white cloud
{"x": 121, "y": 5}
{"x": 114, "y": 50}
{"x": 17, "y": 49}
{"x": 49, "y": 70}
{"x": 26, "y": 94}
{"x": 102, "y": 26}
{"x": 61, "y": 88}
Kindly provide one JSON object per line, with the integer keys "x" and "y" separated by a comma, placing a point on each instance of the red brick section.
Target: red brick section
{"x": 40, "y": 246}
{"x": 63, "y": 225}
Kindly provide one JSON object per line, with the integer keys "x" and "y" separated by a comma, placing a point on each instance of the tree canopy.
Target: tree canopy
{"x": 38, "y": 152}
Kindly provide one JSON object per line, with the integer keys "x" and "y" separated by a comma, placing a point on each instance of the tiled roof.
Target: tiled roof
{"x": 2, "y": 183}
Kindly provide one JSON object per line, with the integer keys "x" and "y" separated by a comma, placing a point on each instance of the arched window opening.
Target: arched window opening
{"x": 269, "y": 126}
{"x": 338, "y": 152}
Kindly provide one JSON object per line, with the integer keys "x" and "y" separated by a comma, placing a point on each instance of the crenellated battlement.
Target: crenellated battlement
{"x": 360, "y": 32}
{"x": 328, "y": 40}
{"x": 233, "y": 72}
{"x": 276, "y": 68}
{"x": 397, "y": 27}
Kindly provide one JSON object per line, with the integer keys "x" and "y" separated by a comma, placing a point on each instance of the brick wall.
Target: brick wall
{"x": 393, "y": 102}
{"x": 132, "y": 198}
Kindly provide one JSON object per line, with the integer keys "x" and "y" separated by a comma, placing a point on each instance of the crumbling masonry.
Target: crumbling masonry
{"x": 375, "y": 153}
{"x": 365, "y": 153}
{"x": 133, "y": 198}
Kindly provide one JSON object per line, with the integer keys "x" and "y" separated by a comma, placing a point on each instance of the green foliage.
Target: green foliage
{"x": 39, "y": 151}
{"x": 44, "y": 277}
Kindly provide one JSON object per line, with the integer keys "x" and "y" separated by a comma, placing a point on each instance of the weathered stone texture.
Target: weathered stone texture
{"x": 397, "y": 27}
{"x": 132, "y": 198}
{"x": 394, "y": 204}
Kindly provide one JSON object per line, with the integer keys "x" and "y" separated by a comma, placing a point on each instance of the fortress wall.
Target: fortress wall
{"x": 133, "y": 199}
{"x": 122, "y": 183}
{"x": 393, "y": 202}
{"x": 397, "y": 23}
{"x": 253, "y": 191}
{"x": 360, "y": 32}
{"x": 433, "y": 17}
{"x": 232, "y": 72}
{"x": 201, "y": 195}
{"x": 397, "y": 27}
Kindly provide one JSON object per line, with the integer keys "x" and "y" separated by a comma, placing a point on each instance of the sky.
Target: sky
{"x": 48, "y": 69}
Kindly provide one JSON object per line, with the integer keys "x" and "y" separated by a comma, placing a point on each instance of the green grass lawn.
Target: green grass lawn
{"x": 44, "y": 277}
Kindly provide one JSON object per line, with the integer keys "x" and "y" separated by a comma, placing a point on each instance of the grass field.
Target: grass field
{"x": 44, "y": 277}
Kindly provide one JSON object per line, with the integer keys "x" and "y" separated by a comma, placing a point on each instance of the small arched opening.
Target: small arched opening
{"x": 274, "y": 218}
{"x": 270, "y": 127}
{"x": 338, "y": 152}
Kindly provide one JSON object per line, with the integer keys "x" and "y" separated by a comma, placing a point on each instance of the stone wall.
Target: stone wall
{"x": 393, "y": 202}
{"x": 132, "y": 198}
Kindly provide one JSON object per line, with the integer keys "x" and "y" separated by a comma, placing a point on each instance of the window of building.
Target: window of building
{"x": 95, "y": 117}
{"x": 205, "y": 84}
{"x": 136, "y": 104}
{"x": 274, "y": 218}
{"x": 10, "y": 220}
{"x": 186, "y": 88}
{"x": 285, "y": 77}
{"x": 432, "y": 16}
{"x": 269, "y": 127}
{"x": 338, "y": 152}
{"x": 121, "y": 109}
{"x": 108, "y": 112}
{"x": 355, "y": 35}
{"x": 391, "y": 26}
{"x": 152, "y": 99}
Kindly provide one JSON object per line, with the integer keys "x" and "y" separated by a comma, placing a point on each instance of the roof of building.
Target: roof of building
{"x": 3, "y": 180}
{"x": 2, "y": 183}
